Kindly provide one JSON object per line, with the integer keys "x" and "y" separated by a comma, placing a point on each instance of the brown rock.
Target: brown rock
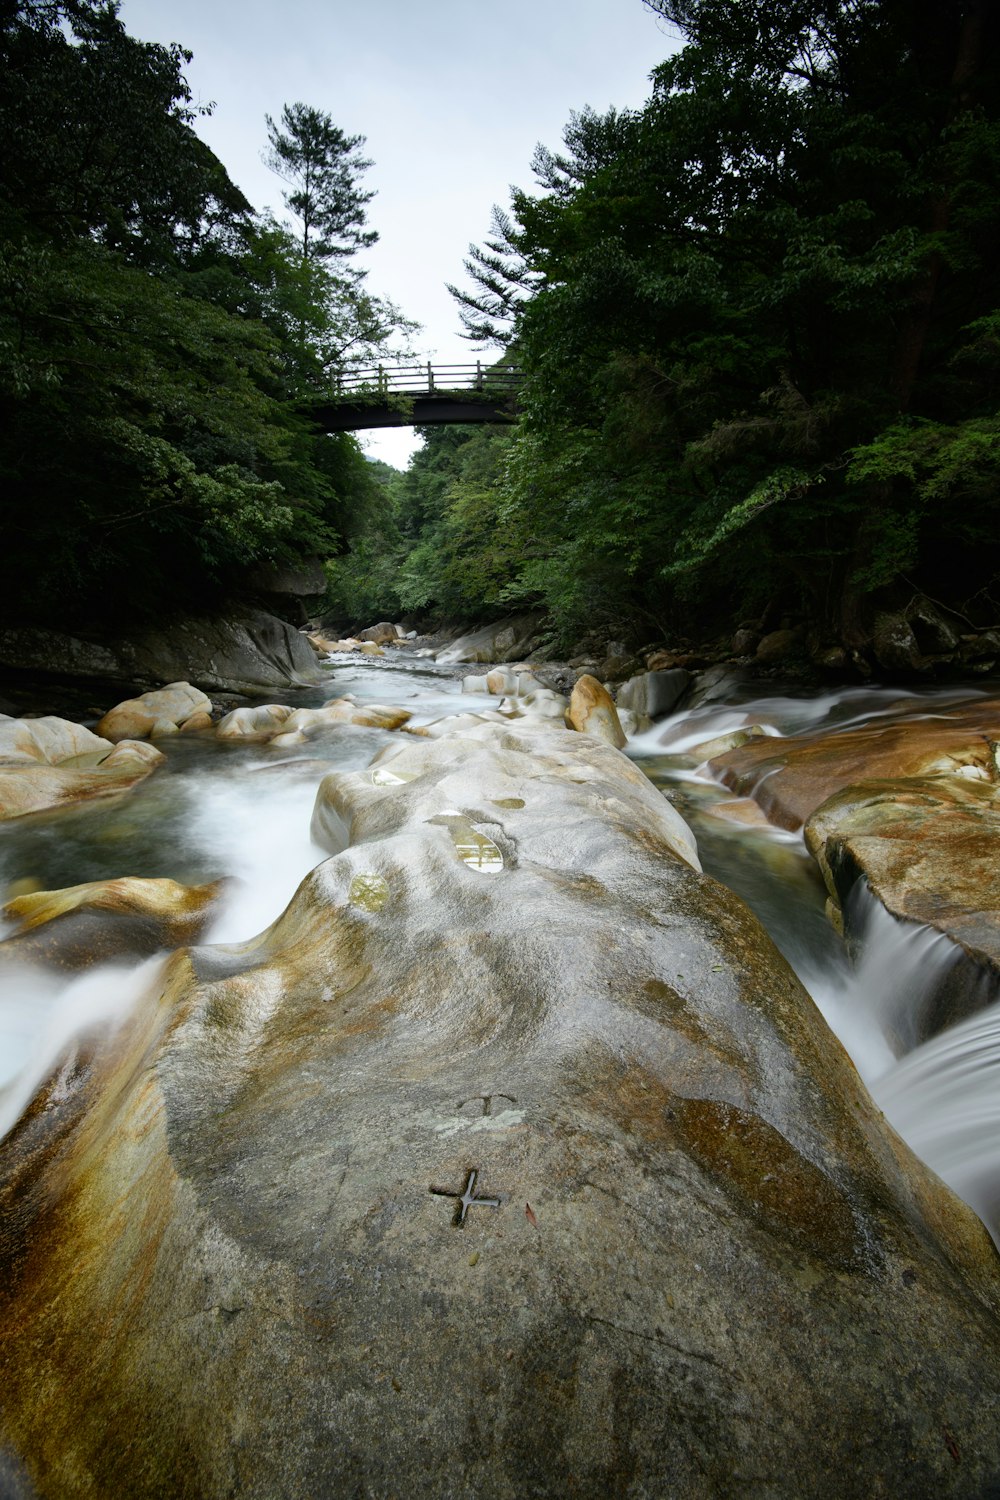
{"x": 778, "y": 645}
{"x": 929, "y": 848}
{"x": 49, "y": 763}
{"x": 346, "y": 711}
{"x": 660, "y": 661}
{"x": 104, "y": 920}
{"x": 157, "y": 712}
{"x": 259, "y": 723}
{"x": 49, "y": 741}
{"x": 592, "y": 711}
{"x": 791, "y": 777}
{"x": 197, "y": 721}
{"x": 382, "y": 634}
{"x": 741, "y": 810}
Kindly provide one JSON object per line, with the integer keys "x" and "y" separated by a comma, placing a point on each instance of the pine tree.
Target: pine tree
{"x": 322, "y": 167}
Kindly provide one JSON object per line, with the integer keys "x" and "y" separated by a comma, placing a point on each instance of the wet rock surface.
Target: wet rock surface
{"x": 929, "y": 849}
{"x": 791, "y": 777}
{"x": 179, "y": 706}
{"x": 651, "y": 695}
{"x": 242, "y": 654}
{"x": 506, "y": 640}
{"x": 913, "y": 808}
{"x": 592, "y": 711}
{"x": 541, "y": 1179}
{"x": 50, "y": 763}
{"x": 106, "y": 920}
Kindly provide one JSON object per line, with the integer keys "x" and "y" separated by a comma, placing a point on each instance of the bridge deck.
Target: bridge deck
{"x": 419, "y": 396}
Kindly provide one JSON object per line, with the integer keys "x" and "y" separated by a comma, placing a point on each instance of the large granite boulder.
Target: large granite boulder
{"x": 290, "y": 587}
{"x": 49, "y": 762}
{"x": 511, "y": 1160}
{"x": 592, "y": 711}
{"x": 241, "y": 654}
{"x": 506, "y": 640}
{"x": 259, "y": 721}
{"x": 651, "y": 695}
{"x": 49, "y": 741}
{"x": 382, "y": 634}
{"x": 280, "y": 724}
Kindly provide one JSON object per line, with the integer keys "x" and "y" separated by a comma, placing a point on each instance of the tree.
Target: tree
{"x": 327, "y": 315}
{"x": 99, "y": 139}
{"x": 322, "y": 166}
{"x": 761, "y": 331}
{"x": 150, "y": 451}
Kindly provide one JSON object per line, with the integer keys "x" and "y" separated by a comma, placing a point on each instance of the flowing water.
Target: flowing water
{"x": 243, "y": 813}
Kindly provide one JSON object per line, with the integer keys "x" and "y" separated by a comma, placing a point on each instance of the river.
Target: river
{"x": 242, "y": 812}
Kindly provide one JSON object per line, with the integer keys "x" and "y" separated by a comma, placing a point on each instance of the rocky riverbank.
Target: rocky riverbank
{"x": 912, "y": 640}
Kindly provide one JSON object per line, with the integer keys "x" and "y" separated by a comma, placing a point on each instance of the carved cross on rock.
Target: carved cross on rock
{"x": 467, "y": 1198}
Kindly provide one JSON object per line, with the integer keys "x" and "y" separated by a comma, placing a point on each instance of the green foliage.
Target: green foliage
{"x": 154, "y": 338}
{"x": 444, "y": 541}
{"x": 759, "y": 320}
{"x": 322, "y": 166}
{"x": 698, "y": 544}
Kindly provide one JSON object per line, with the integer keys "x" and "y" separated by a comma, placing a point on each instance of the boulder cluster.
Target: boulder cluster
{"x": 512, "y": 1158}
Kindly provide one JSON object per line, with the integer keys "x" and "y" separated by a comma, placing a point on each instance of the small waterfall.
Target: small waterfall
{"x": 255, "y": 827}
{"x": 41, "y": 1016}
{"x": 897, "y": 972}
{"x": 944, "y": 1099}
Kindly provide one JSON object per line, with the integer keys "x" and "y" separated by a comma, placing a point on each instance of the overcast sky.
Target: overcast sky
{"x": 452, "y": 96}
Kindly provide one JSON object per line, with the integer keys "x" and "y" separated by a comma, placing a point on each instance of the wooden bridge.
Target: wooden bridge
{"x": 419, "y": 396}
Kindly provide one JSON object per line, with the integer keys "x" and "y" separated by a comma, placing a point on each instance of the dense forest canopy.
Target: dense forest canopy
{"x": 155, "y": 333}
{"x": 760, "y": 322}
{"x": 759, "y": 316}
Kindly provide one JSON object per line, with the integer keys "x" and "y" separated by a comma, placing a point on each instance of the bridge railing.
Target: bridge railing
{"x": 426, "y": 379}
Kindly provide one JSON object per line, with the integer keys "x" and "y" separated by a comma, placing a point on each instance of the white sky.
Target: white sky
{"x": 452, "y": 96}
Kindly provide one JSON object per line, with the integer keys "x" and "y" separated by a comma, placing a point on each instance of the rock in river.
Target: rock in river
{"x": 790, "y": 777}
{"x": 49, "y": 762}
{"x": 241, "y": 654}
{"x": 164, "y": 711}
{"x": 104, "y": 920}
{"x": 592, "y": 711}
{"x": 913, "y": 805}
{"x": 510, "y": 1173}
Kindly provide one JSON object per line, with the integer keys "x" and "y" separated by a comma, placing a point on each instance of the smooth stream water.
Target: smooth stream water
{"x": 243, "y": 812}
